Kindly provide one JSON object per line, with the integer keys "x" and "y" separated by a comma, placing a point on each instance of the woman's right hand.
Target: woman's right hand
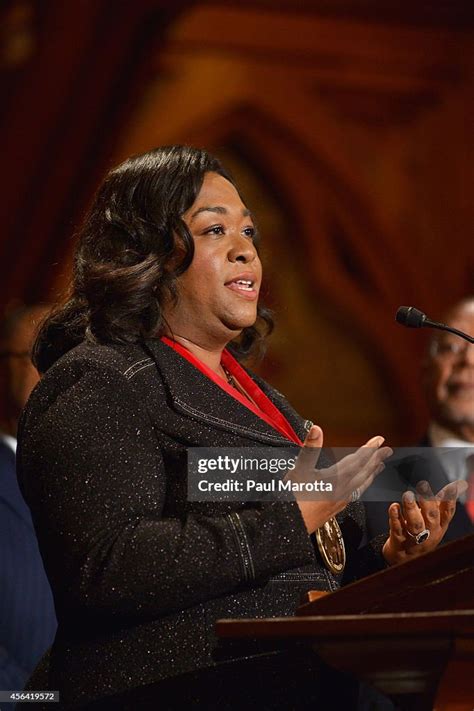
{"x": 354, "y": 473}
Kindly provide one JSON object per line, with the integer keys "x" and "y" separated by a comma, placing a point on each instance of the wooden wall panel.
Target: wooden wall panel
{"x": 66, "y": 102}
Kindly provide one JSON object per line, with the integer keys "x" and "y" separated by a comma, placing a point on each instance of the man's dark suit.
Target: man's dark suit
{"x": 27, "y": 619}
{"x": 424, "y": 465}
{"x": 139, "y": 573}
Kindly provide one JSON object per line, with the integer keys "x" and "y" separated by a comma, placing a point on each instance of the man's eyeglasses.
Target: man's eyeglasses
{"x": 449, "y": 349}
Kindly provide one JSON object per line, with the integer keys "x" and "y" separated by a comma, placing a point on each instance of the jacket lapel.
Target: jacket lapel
{"x": 194, "y": 395}
{"x": 10, "y": 494}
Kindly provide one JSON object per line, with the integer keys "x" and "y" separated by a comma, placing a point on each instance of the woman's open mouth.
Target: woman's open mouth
{"x": 245, "y": 285}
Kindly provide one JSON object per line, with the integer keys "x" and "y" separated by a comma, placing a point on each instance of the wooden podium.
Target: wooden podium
{"x": 407, "y": 630}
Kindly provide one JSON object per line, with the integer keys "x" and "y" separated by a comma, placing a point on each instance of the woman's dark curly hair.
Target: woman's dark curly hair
{"x": 125, "y": 261}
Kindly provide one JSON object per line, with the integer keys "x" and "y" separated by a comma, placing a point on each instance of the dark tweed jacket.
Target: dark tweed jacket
{"x": 140, "y": 574}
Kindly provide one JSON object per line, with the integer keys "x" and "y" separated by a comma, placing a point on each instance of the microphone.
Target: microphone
{"x": 413, "y": 318}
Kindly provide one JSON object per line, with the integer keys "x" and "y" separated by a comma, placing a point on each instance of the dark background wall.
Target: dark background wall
{"x": 346, "y": 122}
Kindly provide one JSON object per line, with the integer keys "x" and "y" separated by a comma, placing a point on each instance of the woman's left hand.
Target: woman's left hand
{"x": 419, "y": 524}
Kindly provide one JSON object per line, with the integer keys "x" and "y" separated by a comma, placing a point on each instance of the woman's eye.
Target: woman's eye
{"x": 220, "y": 230}
{"x": 215, "y": 230}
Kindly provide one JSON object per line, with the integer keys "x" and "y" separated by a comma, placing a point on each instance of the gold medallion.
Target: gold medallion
{"x": 331, "y": 546}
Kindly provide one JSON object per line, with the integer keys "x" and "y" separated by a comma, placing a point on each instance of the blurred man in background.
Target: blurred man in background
{"x": 448, "y": 380}
{"x": 27, "y": 618}
{"x": 448, "y": 383}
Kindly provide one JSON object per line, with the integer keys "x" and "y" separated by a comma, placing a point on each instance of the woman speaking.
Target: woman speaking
{"x": 139, "y": 365}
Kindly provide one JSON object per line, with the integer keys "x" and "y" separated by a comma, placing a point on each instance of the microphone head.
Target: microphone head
{"x": 411, "y": 317}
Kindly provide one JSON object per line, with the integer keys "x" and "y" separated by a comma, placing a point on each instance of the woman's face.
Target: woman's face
{"x": 218, "y": 293}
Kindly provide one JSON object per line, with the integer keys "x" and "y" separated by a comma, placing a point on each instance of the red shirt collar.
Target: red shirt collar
{"x": 265, "y": 409}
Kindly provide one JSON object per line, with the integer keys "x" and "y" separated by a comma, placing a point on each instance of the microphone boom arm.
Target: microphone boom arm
{"x": 414, "y": 318}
